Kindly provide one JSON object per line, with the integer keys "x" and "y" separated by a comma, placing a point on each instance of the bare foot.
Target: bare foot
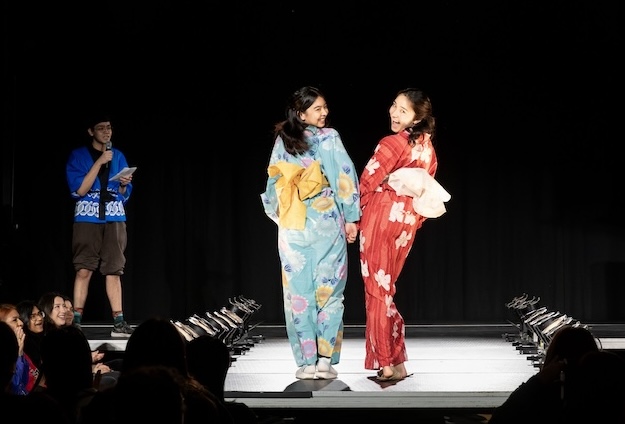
{"x": 402, "y": 370}
{"x": 387, "y": 372}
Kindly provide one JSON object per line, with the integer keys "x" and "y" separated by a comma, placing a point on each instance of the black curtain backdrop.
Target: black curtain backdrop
{"x": 528, "y": 100}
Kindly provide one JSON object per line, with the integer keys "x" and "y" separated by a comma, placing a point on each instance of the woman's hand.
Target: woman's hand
{"x": 21, "y": 336}
{"x": 100, "y": 367}
{"x": 96, "y": 356}
{"x": 351, "y": 231}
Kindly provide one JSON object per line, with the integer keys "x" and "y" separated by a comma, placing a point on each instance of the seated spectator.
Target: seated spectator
{"x": 596, "y": 393}
{"x": 103, "y": 371}
{"x": 9, "y": 352}
{"x": 157, "y": 395}
{"x": 69, "y": 317}
{"x": 35, "y": 407}
{"x": 26, "y": 374}
{"x": 66, "y": 364}
{"x": 209, "y": 360}
{"x": 157, "y": 342}
{"x": 32, "y": 317}
{"x": 53, "y": 305}
{"x": 543, "y": 391}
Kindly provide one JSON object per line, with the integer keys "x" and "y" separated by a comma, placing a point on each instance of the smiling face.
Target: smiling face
{"x": 316, "y": 114}
{"x": 402, "y": 114}
{"x": 59, "y": 311}
{"x": 13, "y": 319}
{"x": 35, "y": 323}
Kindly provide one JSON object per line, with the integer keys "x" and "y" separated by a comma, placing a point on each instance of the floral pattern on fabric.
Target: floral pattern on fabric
{"x": 387, "y": 232}
{"x": 314, "y": 259}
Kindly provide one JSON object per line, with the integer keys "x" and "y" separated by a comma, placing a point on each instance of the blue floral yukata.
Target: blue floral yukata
{"x": 310, "y": 197}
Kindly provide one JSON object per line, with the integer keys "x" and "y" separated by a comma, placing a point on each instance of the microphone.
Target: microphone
{"x": 109, "y": 145}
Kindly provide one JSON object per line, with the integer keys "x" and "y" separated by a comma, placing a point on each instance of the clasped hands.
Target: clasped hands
{"x": 351, "y": 231}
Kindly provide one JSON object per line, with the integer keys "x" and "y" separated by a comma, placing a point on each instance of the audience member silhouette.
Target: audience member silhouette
{"x": 9, "y": 352}
{"x": 106, "y": 372}
{"x": 34, "y": 407}
{"x": 26, "y": 374}
{"x": 57, "y": 315}
{"x": 66, "y": 364}
{"x": 209, "y": 360}
{"x": 157, "y": 394}
{"x": 69, "y": 316}
{"x": 157, "y": 342}
{"x": 544, "y": 391}
{"x": 32, "y": 317}
{"x": 596, "y": 393}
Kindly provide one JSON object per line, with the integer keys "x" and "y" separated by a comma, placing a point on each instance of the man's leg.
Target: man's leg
{"x": 114, "y": 293}
{"x": 81, "y": 289}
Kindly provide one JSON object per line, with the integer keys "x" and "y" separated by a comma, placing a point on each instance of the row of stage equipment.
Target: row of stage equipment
{"x": 537, "y": 325}
{"x": 231, "y": 324}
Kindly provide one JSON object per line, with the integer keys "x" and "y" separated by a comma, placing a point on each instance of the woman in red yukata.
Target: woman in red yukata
{"x": 398, "y": 193}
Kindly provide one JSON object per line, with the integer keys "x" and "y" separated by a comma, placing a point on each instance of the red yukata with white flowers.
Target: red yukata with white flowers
{"x": 388, "y": 228}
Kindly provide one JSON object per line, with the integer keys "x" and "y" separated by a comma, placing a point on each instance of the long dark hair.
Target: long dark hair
{"x": 291, "y": 130}
{"x": 25, "y": 309}
{"x": 423, "y": 113}
{"x": 66, "y": 361}
{"x": 156, "y": 341}
{"x": 46, "y": 304}
{"x": 570, "y": 343}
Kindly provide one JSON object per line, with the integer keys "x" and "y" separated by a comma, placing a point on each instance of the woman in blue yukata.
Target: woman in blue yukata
{"x": 312, "y": 194}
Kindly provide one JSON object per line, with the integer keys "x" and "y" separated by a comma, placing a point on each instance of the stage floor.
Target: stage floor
{"x": 463, "y": 368}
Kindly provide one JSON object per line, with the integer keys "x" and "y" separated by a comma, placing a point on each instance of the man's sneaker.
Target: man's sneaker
{"x": 121, "y": 329}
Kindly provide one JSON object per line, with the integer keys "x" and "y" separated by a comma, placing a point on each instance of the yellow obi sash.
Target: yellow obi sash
{"x": 296, "y": 184}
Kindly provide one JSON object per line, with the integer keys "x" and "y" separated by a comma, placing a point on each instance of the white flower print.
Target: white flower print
{"x": 397, "y": 212}
{"x": 330, "y": 144}
{"x": 410, "y": 219}
{"x": 326, "y": 226}
{"x": 420, "y": 152}
{"x": 372, "y": 165}
{"x": 383, "y": 279}
{"x": 362, "y": 242}
{"x": 388, "y": 300}
{"x": 402, "y": 240}
{"x": 325, "y": 270}
{"x": 364, "y": 268}
{"x": 426, "y": 155}
{"x": 295, "y": 259}
{"x": 415, "y": 154}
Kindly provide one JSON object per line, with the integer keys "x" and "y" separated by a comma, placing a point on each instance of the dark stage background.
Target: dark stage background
{"x": 528, "y": 98}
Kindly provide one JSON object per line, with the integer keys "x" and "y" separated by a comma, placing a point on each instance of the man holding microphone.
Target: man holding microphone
{"x": 99, "y": 235}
